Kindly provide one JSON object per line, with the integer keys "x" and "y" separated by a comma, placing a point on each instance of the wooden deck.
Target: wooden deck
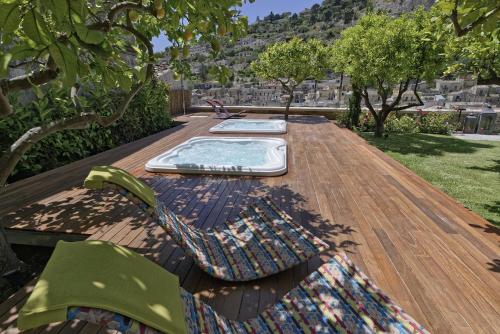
{"x": 435, "y": 258}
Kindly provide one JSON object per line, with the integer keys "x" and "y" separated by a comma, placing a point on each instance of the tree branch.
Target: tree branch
{"x": 26, "y": 81}
{"x": 364, "y": 94}
{"x": 123, "y": 6}
{"x": 410, "y": 105}
{"x": 471, "y": 26}
{"x": 115, "y": 11}
{"x": 5, "y": 107}
{"x": 144, "y": 40}
{"x": 11, "y": 157}
{"x": 402, "y": 89}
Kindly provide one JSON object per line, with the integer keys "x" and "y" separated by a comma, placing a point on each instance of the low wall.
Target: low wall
{"x": 328, "y": 112}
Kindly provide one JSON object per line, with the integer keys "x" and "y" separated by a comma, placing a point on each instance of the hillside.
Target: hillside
{"x": 324, "y": 21}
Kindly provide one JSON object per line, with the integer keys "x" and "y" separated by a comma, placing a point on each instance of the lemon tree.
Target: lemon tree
{"x": 69, "y": 42}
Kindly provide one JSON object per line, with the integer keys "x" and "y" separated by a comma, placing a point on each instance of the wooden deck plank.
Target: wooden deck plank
{"x": 434, "y": 257}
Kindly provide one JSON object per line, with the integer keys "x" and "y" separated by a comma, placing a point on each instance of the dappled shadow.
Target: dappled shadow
{"x": 207, "y": 201}
{"x": 44, "y": 185}
{"x": 489, "y": 228}
{"x": 495, "y": 168}
{"x": 84, "y": 212}
{"x": 494, "y": 209}
{"x": 424, "y": 144}
{"x": 200, "y": 200}
{"x": 494, "y": 265}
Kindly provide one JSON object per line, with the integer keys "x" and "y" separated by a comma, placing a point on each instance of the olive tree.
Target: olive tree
{"x": 290, "y": 63}
{"x": 390, "y": 55}
{"x": 68, "y": 42}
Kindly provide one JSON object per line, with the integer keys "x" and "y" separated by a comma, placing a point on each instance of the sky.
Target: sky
{"x": 259, "y": 8}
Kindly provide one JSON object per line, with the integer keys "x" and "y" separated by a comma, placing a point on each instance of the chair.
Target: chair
{"x": 336, "y": 298}
{"x": 221, "y": 111}
{"x": 262, "y": 241}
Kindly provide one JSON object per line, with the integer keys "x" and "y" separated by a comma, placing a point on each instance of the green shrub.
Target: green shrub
{"x": 437, "y": 123}
{"x": 147, "y": 114}
{"x": 367, "y": 122}
{"x": 433, "y": 122}
{"x": 403, "y": 124}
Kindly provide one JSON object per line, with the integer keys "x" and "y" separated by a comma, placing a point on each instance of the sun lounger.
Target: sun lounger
{"x": 116, "y": 288}
{"x": 262, "y": 241}
{"x": 221, "y": 111}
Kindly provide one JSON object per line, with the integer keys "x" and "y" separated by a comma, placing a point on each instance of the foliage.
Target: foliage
{"x": 74, "y": 35}
{"x": 382, "y": 52}
{"x": 70, "y": 42}
{"x": 471, "y": 30}
{"x": 351, "y": 118}
{"x": 470, "y": 16}
{"x": 380, "y": 49}
{"x": 354, "y": 108}
{"x": 403, "y": 124}
{"x": 292, "y": 62}
{"x": 148, "y": 113}
{"x": 432, "y": 122}
{"x": 475, "y": 54}
{"x": 329, "y": 20}
{"x": 467, "y": 170}
{"x": 437, "y": 123}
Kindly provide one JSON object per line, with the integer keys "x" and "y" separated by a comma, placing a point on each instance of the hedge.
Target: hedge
{"x": 431, "y": 122}
{"x": 147, "y": 114}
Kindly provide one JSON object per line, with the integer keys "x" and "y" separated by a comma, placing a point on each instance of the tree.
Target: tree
{"x": 471, "y": 30}
{"x": 354, "y": 108}
{"x": 389, "y": 55}
{"x": 290, "y": 63}
{"x": 72, "y": 42}
{"x": 474, "y": 54}
{"x": 469, "y": 16}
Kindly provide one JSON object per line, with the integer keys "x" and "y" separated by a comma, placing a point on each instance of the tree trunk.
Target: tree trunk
{"x": 379, "y": 127}
{"x": 8, "y": 259}
{"x": 288, "y": 103}
{"x": 354, "y": 110}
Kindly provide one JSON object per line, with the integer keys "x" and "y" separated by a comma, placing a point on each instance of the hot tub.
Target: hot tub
{"x": 224, "y": 155}
{"x": 250, "y": 126}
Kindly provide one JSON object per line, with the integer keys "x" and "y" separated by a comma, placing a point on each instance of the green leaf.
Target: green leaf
{"x": 10, "y": 14}
{"x": 79, "y": 8}
{"x": 22, "y": 52}
{"x": 89, "y": 36}
{"x": 60, "y": 9}
{"x": 124, "y": 81}
{"x": 109, "y": 79}
{"x": 35, "y": 28}
{"x": 4, "y": 64}
{"x": 66, "y": 60}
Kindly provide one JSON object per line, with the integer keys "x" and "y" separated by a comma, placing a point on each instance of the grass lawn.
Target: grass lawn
{"x": 469, "y": 171}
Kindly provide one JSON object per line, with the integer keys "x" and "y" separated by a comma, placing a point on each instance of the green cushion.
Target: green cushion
{"x": 101, "y": 275}
{"x": 100, "y": 174}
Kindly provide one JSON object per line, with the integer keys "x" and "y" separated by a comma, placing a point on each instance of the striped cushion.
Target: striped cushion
{"x": 337, "y": 298}
{"x": 262, "y": 241}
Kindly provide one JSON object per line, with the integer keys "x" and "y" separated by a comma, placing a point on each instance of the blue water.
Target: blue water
{"x": 250, "y": 125}
{"x": 222, "y": 153}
